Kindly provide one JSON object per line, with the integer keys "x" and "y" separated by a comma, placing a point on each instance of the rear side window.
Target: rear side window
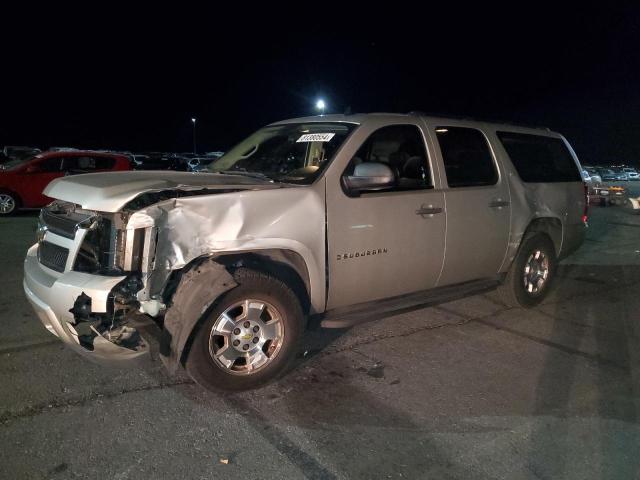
{"x": 49, "y": 165}
{"x": 540, "y": 159}
{"x": 467, "y": 158}
{"x": 87, "y": 163}
{"x": 104, "y": 163}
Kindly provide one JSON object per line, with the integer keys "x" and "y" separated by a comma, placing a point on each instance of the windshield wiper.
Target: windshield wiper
{"x": 245, "y": 173}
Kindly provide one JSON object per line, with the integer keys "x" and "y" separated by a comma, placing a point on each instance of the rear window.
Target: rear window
{"x": 540, "y": 159}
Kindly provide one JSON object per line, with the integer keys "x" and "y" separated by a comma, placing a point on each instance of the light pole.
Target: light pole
{"x": 320, "y": 105}
{"x": 193, "y": 120}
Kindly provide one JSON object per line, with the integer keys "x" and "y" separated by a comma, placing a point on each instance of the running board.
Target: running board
{"x": 366, "y": 312}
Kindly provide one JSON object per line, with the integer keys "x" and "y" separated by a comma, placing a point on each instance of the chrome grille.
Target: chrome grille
{"x": 52, "y": 256}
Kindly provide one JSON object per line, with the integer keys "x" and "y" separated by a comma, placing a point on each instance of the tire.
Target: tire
{"x": 515, "y": 292}
{"x": 208, "y": 360}
{"x": 9, "y": 203}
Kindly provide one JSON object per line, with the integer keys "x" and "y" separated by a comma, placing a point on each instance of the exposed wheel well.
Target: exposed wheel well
{"x": 285, "y": 265}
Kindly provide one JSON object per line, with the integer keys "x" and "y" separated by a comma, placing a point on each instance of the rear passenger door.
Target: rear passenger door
{"x": 477, "y": 203}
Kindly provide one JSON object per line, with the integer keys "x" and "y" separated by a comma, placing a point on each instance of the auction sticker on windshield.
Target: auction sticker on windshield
{"x": 316, "y": 137}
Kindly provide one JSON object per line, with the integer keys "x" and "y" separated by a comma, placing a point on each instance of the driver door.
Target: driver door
{"x": 388, "y": 242}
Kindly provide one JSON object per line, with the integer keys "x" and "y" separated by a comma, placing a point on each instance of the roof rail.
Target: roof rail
{"x": 471, "y": 119}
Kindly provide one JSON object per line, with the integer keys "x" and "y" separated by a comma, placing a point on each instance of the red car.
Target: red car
{"x": 22, "y": 182}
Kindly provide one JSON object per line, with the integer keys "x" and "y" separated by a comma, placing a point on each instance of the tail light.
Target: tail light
{"x": 585, "y": 213}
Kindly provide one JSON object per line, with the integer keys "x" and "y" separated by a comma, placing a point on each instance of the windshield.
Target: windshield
{"x": 292, "y": 153}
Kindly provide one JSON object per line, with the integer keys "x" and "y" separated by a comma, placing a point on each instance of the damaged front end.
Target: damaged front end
{"x": 116, "y": 284}
{"x": 121, "y": 331}
{"x": 92, "y": 259}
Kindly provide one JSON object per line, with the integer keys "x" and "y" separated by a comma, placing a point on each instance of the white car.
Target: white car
{"x": 594, "y": 176}
{"x": 632, "y": 174}
{"x": 324, "y": 216}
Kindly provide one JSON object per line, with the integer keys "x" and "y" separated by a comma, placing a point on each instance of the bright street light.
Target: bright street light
{"x": 320, "y": 105}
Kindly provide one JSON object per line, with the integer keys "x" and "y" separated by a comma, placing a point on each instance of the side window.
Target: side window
{"x": 400, "y": 147}
{"x": 69, "y": 164}
{"x": 49, "y": 165}
{"x": 103, "y": 163}
{"x": 86, "y": 163}
{"x": 540, "y": 159}
{"x": 467, "y": 158}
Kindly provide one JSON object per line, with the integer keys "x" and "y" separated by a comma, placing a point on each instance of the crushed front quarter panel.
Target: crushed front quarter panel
{"x": 290, "y": 218}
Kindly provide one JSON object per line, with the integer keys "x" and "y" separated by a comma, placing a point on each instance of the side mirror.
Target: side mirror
{"x": 370, "y": 176}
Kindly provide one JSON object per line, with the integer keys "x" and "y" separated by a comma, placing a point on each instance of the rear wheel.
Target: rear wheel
{"x": 250, "y": 337}
{"x": 8, "y": 203}
{"x": 531, "y": 273}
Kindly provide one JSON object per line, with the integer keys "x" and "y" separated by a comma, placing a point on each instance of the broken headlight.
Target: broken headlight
{"x": 109, "y": 249}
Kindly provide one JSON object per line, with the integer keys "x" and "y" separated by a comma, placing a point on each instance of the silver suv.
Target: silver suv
{"x": 325, "y": 218}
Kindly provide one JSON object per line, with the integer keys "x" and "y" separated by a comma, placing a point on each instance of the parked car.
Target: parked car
{"x": 335, "y": 218}
{"x": 10, "y": 153}
{"x": 620, "y": 174}
{"x": 199, "y": 164}
{"x": 607, "y": 174}
{"x": 22, "y": 182}
{"x": 608, "y": 195}
{"x": 594, "y": 176}
{"x": 151, "y": 161}
{"x": 631, "y": 173}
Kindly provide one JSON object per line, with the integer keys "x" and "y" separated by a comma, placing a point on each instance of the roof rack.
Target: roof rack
{"x": 471, "y": 119}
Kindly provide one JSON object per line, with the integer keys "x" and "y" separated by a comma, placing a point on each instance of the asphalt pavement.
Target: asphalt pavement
{"x": 468, "y": 390}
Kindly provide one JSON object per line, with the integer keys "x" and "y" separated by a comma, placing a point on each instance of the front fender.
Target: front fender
{"x": 288, "y": 219}
{"x": 199, "y": 287}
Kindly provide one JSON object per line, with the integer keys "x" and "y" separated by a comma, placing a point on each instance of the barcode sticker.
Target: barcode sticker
{"x": 316, "y": 137}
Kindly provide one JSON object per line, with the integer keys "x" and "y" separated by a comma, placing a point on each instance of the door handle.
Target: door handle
{"x": 498, "y": 203}
{"x": 430, "y": 210}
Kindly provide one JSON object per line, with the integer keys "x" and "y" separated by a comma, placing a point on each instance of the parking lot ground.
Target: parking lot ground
{"x": 466, "y": 389}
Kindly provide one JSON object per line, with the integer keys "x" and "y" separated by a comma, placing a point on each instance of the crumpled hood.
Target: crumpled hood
{"x": 109, "y": 192}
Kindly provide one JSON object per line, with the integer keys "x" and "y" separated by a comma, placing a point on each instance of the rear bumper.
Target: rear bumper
{"x": 52, "y": 296}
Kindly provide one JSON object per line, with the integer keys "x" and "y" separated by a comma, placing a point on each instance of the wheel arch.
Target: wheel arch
{"x": 15, "y": 195}
{"x": 285, "y": 265}
{"x": 550, "y": 226}
{"x": 189, "y": 304}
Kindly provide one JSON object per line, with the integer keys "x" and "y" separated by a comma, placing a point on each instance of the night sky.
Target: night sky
{"x": 106, "y": 79}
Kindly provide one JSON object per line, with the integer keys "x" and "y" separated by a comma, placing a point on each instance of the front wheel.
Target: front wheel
{"x": 250, "y": 337}
{"x": 531, "y": 273}
{"x": 8, "y": 203}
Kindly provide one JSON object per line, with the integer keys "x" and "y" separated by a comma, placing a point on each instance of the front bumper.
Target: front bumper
{"x": 52, "y": 295}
